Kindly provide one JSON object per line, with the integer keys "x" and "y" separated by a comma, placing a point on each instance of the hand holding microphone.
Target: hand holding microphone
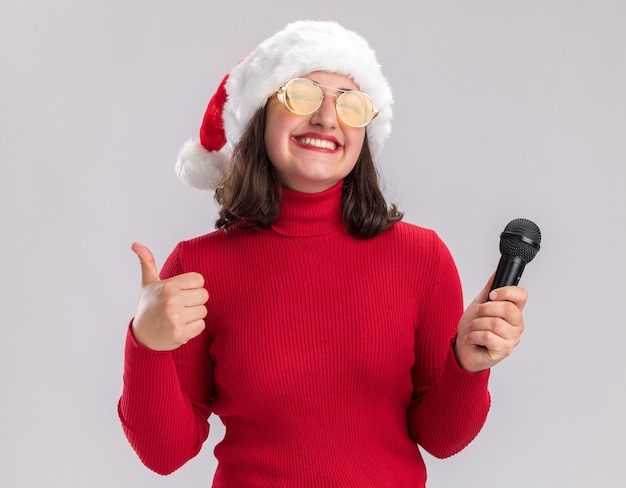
{"x": 171, "y": 312}
{"x": 492, "y": 324}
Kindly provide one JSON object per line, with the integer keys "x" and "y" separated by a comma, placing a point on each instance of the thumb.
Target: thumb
{"x": 483, "y": 295}
{"x": 149, "y": 272}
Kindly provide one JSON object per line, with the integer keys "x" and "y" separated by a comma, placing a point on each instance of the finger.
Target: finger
{"x": 496, "y": 345}
{"x": 483, "y": 295}
{"x": 513, "y": 294}
{"x": 497, "y": 326}
{"x": 184, "y": 334}
{"x": 194, "y": 297}
{"x": 195, "y": 328}
{"x": 149, "y": 272}
{"x": 193, "y": 314}
{"x": 189, "y": 281}
{"x": 506, "y": 311}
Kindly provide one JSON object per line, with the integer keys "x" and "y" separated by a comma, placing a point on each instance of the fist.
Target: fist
{"x": 171, "y": 312}
{"x": 491, "y": 327}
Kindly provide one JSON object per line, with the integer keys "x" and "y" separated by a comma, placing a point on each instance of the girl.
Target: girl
{"x": 333, "y": 346}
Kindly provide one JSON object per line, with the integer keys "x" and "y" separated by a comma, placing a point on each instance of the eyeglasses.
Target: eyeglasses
{"x": 302, "y": 96}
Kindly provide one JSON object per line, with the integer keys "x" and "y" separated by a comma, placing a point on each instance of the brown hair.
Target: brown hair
{"x": 249, "y": 193}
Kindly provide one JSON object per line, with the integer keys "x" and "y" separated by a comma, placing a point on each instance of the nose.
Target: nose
{"x": 326, "y": 115}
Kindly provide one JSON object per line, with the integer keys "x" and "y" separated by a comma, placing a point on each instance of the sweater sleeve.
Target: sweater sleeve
{"x": 449, "y": 405}
{"x": 166, "y": 397}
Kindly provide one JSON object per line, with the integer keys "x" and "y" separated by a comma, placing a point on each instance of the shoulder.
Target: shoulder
{"x": 415, "y": 237}
{"x": 217, "y": 238}
{"x": 407, "y": 228}
{"x": 417, "y": 245}
{"x": 211, "y": 248}
{"x": 432, "y": 256}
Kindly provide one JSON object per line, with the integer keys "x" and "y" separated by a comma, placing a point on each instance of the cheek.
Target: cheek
{"x": 276, "y": 134}
{"x": 273, "y": 141}
{"x": 355, "y": 143}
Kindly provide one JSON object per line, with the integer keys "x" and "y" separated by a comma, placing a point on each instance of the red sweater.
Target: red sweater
{"x": 327, "y": 357}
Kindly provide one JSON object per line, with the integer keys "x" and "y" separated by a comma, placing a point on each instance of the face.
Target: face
{"x": 311, "y": 153}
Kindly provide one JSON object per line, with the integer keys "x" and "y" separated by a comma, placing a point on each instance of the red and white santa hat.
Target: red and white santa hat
{"x": 300, "y": 48}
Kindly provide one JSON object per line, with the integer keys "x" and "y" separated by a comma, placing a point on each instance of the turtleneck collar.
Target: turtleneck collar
{"x": 310, "y": 214}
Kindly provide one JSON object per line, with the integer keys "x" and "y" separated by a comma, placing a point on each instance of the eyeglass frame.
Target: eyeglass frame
{"x": 280, "y": 94}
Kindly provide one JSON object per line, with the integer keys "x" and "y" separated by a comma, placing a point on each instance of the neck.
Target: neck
{"x": 310, "y": 214}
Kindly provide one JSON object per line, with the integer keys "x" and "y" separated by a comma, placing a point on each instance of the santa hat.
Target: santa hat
{"x": 300, "y": 48}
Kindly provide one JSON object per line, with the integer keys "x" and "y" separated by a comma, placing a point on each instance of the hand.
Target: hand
{"x": 489, "y": 330}
{"x": 170, "y": 312}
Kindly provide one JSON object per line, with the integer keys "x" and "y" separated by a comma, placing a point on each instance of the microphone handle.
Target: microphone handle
{"x": 509, "y": 271}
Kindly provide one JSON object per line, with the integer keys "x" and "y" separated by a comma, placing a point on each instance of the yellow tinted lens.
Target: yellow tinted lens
{"x": 303, "y": 96}
{"x": 355, "y": 108}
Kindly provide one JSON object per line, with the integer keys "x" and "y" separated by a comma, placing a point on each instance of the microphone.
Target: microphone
{"x": 519, "y": 244}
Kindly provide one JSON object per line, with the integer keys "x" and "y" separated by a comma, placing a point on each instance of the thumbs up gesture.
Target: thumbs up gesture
{"x": 171, "y": 311}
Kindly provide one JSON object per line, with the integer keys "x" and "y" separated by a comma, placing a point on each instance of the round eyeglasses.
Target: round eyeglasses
{"x": 302, "y": 96}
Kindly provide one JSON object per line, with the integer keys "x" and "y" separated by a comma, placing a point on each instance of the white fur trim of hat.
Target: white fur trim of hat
{"x": 300, "y": 48}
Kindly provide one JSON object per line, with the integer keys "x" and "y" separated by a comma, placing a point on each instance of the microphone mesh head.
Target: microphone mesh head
{"x": 521, "y": 238}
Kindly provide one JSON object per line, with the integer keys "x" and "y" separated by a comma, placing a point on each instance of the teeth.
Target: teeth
{"x": 309, "y": 141}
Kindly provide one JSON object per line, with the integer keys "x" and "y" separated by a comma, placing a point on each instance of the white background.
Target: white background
{"x": 503, "y": 109}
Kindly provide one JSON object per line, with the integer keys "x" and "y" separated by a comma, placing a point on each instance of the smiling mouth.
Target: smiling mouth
{"x": 319, "y": 143}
